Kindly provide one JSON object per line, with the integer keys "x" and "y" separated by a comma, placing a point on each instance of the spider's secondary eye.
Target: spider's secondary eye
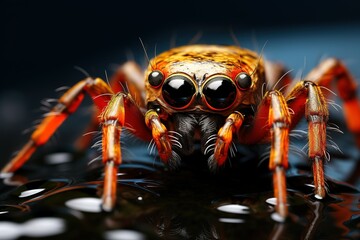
{"x": 244, "y": 80}
{"x": 178, "y": 91}
{"x": 155, "y": 78}
{"x": 220, "y": 92}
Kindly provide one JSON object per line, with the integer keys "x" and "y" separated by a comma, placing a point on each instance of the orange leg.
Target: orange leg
{"x": 160, "y": 135}
{"x": 128, "y": 78}
{"x": 112, "y": 119}
{"x": 67, "y": 104}
{"x": 334, "y": 71}
{"x": 328, "y": 73}
{"x": 279, "y": 123}
{"x": 317, "y": 114}
{"x": 275, "y": 118}
{"x": 225, "y": 136}
{"x": 307, "y": 98}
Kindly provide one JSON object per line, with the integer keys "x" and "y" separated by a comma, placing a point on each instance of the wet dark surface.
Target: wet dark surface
{"x": 57, "y": 196}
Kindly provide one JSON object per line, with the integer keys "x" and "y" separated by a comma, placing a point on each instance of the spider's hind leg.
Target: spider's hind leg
{"x": 332, "y": 73}
{"x": 309, "y": 97}
{"x": 67, "y": 104}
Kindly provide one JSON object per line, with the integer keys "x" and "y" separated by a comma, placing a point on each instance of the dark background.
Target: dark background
{"x": 42, "y": 41}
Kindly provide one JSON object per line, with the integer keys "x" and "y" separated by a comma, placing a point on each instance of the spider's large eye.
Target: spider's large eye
{"x": 178, "y": 90}
{"x": 220, "y": 92}
{"x": 244, "y": 80}
{"x": 155, "y": 78}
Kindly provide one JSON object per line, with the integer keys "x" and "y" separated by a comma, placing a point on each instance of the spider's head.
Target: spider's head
{"x": 204, "y": 78}
{"x": 194, "y": 88}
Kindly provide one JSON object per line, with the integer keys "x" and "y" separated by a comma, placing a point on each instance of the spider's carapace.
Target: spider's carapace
{"x": 217, "y": 95}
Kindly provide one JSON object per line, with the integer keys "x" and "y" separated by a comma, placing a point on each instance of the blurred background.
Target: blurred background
{"x": 43, "y": 41}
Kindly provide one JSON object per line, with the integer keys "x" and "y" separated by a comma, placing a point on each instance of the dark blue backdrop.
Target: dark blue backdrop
{"x": 44, "y": 40}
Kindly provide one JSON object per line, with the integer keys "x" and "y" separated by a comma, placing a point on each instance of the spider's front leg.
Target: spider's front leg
{"x": 160, "y": 136}
{"x": 272, "y": 111}
{"x": 112, "y": 120}
{"x": 279, "y": 124}
{"x": 120, "y": 111}
{"x": 273, "y": 114}
{"x": 225, "y": 137}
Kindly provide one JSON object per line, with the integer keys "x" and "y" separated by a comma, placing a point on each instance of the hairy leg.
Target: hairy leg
{"x": 67, "y": 104}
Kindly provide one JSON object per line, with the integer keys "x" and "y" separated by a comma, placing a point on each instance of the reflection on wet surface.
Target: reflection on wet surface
{"x": 35, "y": 228}
{"x": 62, "y": 200}
{"x": 124, "y": 234}
{"x": 28, "y": 193}
{"x": 85, "y": 204}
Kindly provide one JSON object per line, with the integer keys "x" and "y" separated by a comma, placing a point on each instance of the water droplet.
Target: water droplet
{"x": 271, "y": 201}
{"x": 317, "y": 196}
{"x": 6, "y": 175}
{"x": 58, "y": 158}
{"x": 31, "y": 192}
{"x": 124, "y": 235}
{"x": 9, "y": 230}
{"x": 43, "y": 187}
{"x": 276, "y": 217}
{"x": 42, "y": 227}
{"x": 234, "y": 208}
{"x": 231, "y": 220}
{"x": 38, "y": 227}
{"x": 85, "y": 204}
